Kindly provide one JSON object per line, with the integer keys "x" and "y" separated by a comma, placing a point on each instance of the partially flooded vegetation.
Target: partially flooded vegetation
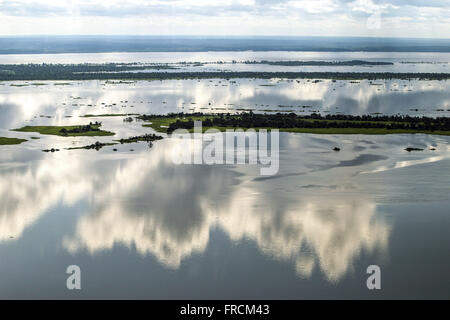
{"x": 146, "y": 138}
{"x": 295, "y": 110}
{"x": 95, "y": 146}
{"x": 314, "y": 123}
{"x": 135, "y": 71}
{"x": 322, "y": 63}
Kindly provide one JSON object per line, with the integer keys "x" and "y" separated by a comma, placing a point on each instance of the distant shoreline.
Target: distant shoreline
{"x": 105, "y": 44}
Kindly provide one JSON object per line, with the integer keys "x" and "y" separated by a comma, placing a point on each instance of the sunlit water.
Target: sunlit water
{"x": 25, "y": 102}
{"x": 140, "y": 226}
{"x": 435, "y": 62}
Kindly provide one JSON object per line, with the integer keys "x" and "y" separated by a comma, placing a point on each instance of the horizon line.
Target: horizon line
{"x": 218, "y": 36}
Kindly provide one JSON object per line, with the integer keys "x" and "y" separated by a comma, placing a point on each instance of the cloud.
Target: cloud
{"x": 288, "y": 17}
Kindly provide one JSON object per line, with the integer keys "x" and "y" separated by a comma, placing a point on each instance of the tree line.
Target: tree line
{"x": 80, "y": 129}
{"x": 292, "y": 120}
{"x": 12, "y": 72}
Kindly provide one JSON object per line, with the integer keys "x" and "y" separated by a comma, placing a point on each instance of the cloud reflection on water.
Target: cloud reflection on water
{"x": 167, "y": 211}
{"x": 20, "y": 105}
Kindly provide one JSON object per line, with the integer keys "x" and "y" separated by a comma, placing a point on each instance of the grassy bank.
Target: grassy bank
{"x": 161, "y": 123}
{"x": 56, "y": 131}
{"x": 9, "y": 141}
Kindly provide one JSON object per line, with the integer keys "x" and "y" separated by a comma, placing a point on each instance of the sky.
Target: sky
{"x": 380, "y": 18}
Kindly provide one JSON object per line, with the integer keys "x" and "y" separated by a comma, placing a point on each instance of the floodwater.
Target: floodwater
{"x": 141, "y": 226}
{"x": 435, "y": 62}
{"x": 22, "y": 101}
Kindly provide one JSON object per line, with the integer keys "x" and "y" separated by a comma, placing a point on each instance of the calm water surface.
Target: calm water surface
{"x": 140, "y": 226}
{"x": 402, "y": 61}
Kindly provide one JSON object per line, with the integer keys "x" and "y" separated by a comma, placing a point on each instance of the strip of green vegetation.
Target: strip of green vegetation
{"x": 9, "y": 141}
{"x": 304, "y": 124}
{"x": 109, "y": 115}
{"x": 162, "y": 123}
{"x": 56, "y": 130}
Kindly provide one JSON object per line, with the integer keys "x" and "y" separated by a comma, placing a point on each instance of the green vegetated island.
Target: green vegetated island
{"x": 116, "y": 71}
{"x": 91, "y": 129}
{"x": 291, "y": 122}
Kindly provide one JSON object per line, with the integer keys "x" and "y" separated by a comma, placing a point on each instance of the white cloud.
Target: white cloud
{"x": 229, "y": 17}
